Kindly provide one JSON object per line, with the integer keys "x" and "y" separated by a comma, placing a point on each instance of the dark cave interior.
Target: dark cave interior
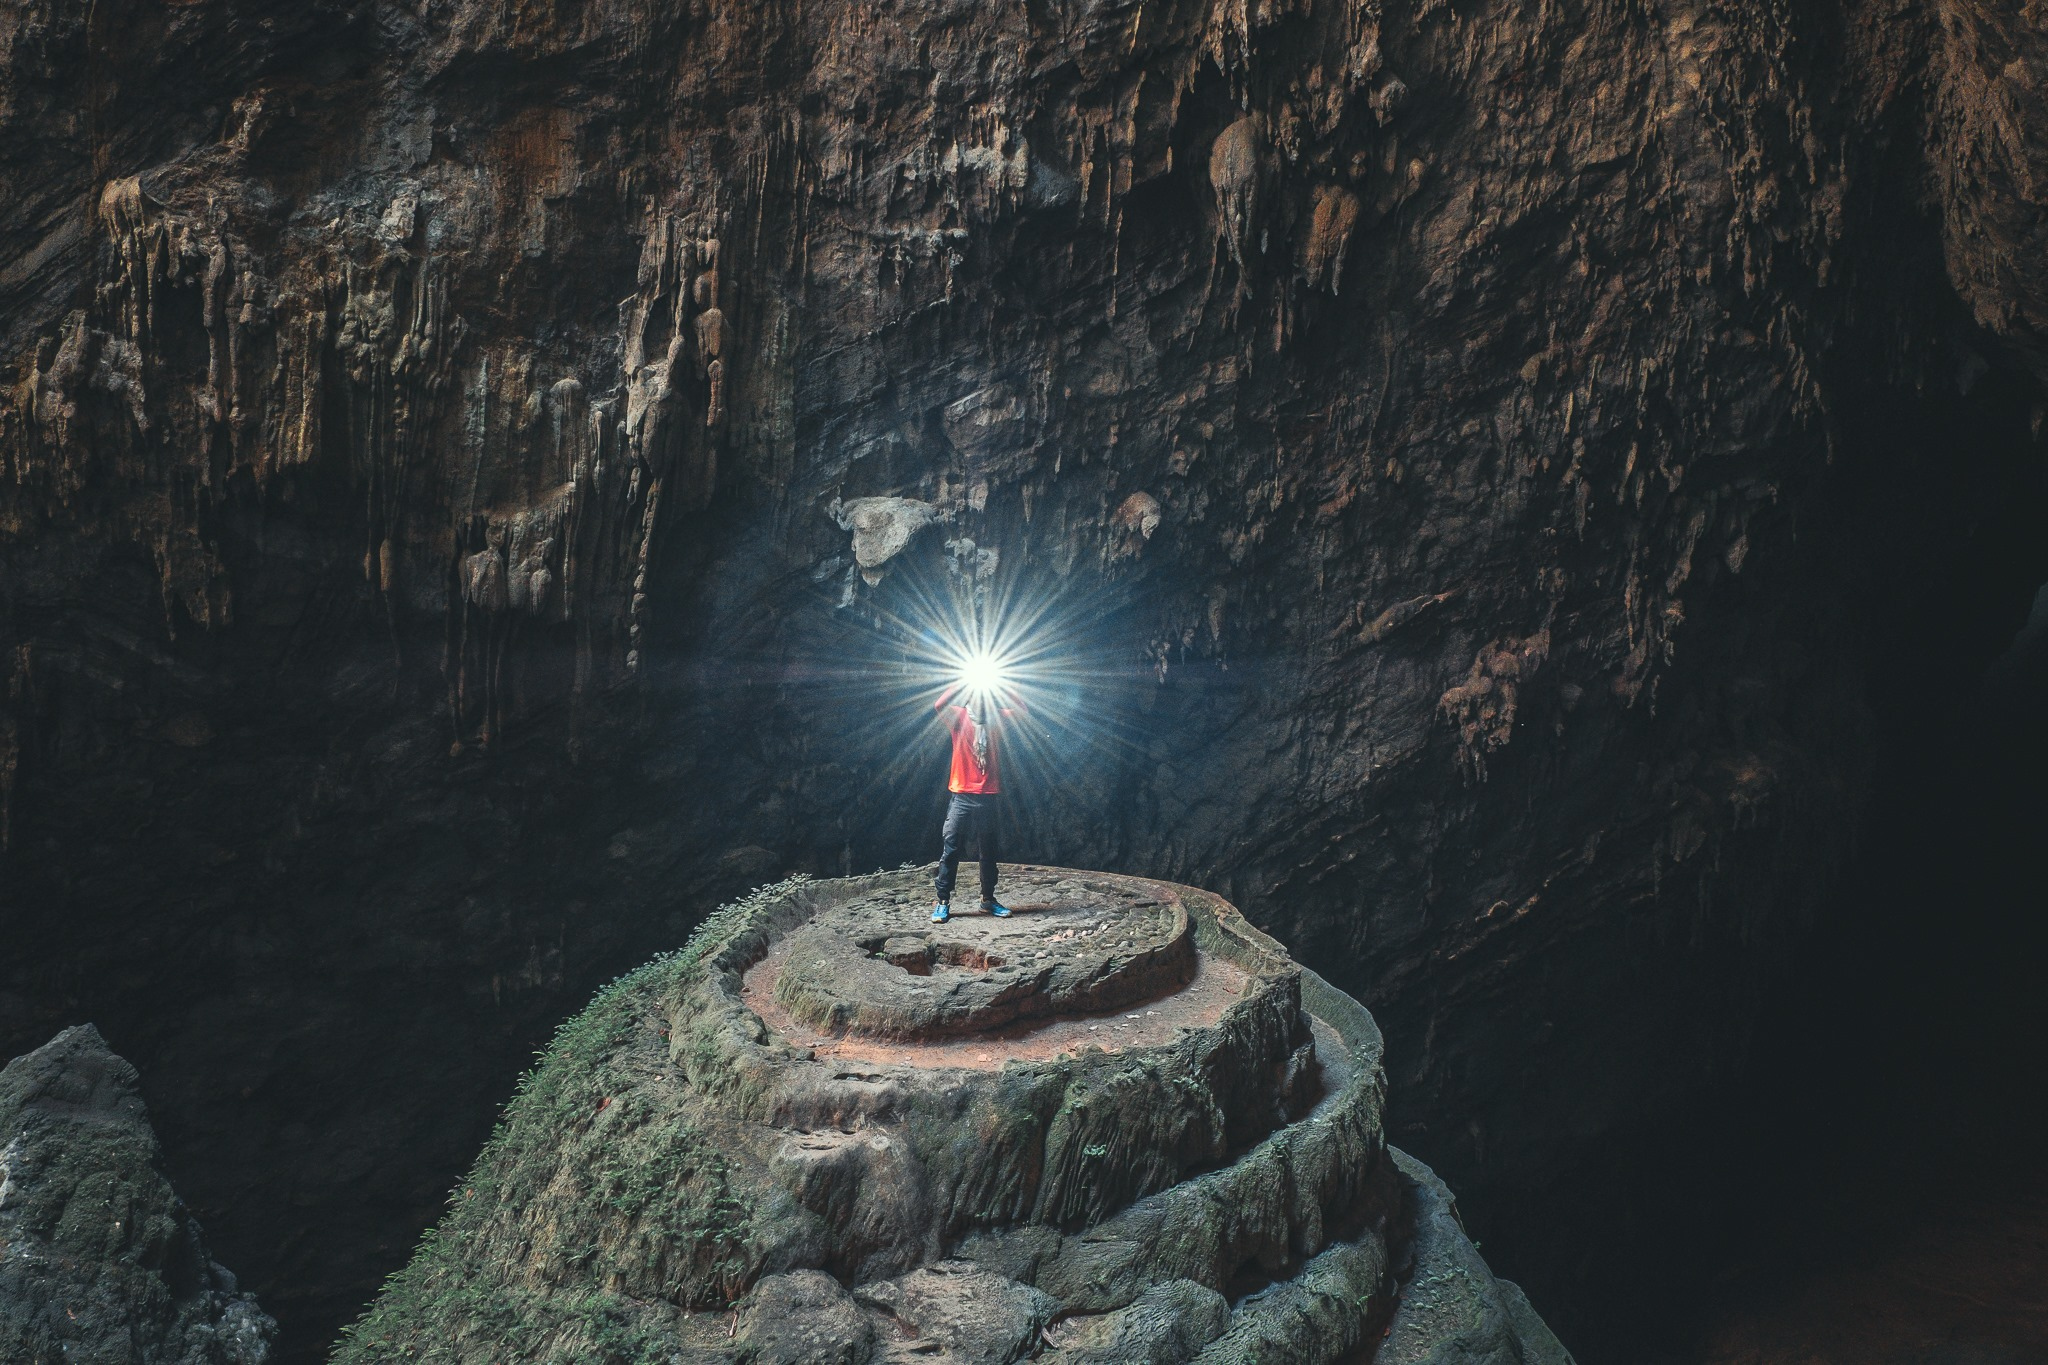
{"x": 330, "y": 874}
{"x": 1887, "y": 1086}
{"x": 1891, "y": 1093}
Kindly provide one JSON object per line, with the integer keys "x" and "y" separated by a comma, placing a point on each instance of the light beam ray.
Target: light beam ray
{"x": 1061, "y": 649}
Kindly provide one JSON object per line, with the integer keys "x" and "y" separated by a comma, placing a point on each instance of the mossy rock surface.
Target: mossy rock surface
{"x": 827, "y": 1130}
{"x": 100, "y": 1261}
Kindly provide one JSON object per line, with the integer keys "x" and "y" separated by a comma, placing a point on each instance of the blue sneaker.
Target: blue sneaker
{"x": 996, "y": 908}
{"x": 941, "y": 913}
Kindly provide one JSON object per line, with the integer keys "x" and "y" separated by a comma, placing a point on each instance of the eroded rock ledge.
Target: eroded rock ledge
{"x": 1119, "y": 1126}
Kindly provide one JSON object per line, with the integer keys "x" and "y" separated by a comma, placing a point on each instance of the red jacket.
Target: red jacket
{"x": 970, "y": 778}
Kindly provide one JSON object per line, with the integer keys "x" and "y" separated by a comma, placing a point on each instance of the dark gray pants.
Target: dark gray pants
{"x": 970, "y": 820}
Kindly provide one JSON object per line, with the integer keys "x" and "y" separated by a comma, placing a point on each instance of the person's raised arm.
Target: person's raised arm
{"x": 947, "y": 696}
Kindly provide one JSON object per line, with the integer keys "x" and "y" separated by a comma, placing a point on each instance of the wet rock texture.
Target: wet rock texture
{"x": 679, "y": 1179}
{"x": 100, "y": 1261}
{"x": 447, "y": 448}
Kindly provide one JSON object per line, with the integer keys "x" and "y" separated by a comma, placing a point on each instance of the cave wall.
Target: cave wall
{"x": 431, "y": 554}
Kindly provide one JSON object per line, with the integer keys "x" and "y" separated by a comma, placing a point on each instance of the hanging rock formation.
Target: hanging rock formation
{"x": 1118, "y": 1126}
{"x": 450, "y": 451}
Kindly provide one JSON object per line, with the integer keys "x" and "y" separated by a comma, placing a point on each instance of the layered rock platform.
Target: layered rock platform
{"x": 1119, "y": 1125}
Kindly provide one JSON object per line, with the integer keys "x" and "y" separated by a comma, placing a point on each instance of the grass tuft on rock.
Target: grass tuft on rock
{"x": 599, "y": 1211}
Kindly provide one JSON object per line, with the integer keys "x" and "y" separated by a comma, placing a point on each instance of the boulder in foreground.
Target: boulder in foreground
{"x": 100, "y": 1262}
{"x": 1120, "y": 1125}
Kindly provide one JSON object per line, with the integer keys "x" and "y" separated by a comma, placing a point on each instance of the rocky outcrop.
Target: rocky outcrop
{"x": 454, "y": 457}
{"x": 99, "y": 1261}
{"x": 1989, "y": 77}
{"x": 1452, "y": 1310}
{"x": 708, "y": 1166}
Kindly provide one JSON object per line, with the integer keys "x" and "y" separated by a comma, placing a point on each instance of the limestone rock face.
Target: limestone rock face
{"x": 882, "y": 528}
{"x": 711, "y": 1165}
{"x": 99, "y": 1261}
{"x": 1452, "y": 1310}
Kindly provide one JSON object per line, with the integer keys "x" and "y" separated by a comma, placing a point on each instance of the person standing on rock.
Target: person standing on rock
{"x": 975, "y": 716}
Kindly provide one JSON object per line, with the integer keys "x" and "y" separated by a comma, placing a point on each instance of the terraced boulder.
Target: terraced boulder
{"x": 1120, "y": 1125}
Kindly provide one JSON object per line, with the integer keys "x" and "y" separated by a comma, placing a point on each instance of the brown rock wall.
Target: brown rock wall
{"x": 1449, "y": 417}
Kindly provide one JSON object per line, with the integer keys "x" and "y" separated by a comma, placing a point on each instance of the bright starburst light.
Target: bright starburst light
{"x": 984, "y": 673}
{"x": 1056, "y": 660}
